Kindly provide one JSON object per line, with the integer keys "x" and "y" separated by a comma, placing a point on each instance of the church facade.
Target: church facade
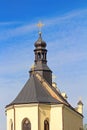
{"x": 39, "y": 105}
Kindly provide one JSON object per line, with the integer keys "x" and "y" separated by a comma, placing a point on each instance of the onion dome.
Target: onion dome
{"x": 40, "y": 42}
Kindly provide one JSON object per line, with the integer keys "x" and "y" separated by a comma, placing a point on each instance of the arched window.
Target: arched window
{"x": 12, "y": 126}
{"x": 42, "y": 57}
{"x": 46, "y": 125}
{"x": 26, "y": 125}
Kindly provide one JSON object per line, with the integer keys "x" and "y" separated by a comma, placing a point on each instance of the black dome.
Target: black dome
{"x": 40, "y": 42}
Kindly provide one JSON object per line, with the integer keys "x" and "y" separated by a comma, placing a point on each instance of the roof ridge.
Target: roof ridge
{"x": 48, "y": 87}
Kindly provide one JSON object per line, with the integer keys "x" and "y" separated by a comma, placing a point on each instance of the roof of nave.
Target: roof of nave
{"x": 34, "y": 92}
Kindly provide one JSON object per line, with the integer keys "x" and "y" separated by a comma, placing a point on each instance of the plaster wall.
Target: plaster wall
{"x": 10, "y": 117}
{"x": 21, "y": 112}
{"x": 60, "y": 117}
{"x": 56, "y": 117}
{"x": 71, "y": 119}
{"x": 44, "y": 114}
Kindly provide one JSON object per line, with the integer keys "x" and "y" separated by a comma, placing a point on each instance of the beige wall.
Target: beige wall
{"x": 20, "y": 112}
{"x": 56, "y": 117}
{"x": 44, "y": 113}
{"x": 71, "y": 119}
{"x": 60, "y": 117}
{"x": 10, "y": 116}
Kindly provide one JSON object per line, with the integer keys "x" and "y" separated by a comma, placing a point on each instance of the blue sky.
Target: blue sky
{"x": 65, "y": 33}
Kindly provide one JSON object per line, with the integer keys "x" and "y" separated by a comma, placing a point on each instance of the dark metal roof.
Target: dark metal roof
{"x": 41, "y": 67}
{"x": 40, "y": 42}
{"x": 34, "y": 92}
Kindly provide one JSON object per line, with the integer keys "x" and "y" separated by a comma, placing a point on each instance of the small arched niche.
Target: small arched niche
{"x": 26, "y": 125}
{"x": 10, "y": 124}
{"x": 46, "y": 124}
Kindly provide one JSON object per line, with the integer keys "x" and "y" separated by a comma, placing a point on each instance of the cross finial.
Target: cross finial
{"x": 40, "y": 25}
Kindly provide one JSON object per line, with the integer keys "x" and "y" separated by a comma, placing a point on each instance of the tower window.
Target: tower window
{"x": 42, "y": 55}
{"x": 39, "y": 56}
{"x": 26, "y": 125}
{"x": 45, "y": 55}
{"x": 46, "y": 125}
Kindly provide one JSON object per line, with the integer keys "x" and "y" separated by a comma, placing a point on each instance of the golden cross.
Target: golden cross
{"x": 40, "y": 25}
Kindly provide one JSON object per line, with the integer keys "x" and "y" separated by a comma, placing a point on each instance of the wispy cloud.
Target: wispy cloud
{"x": 67, "y": 57}
{"x": 65, "y": 18}
{"x": 9, "y": 23}
{"x": 16, "y": 31}
{"x": 49, "y": 23}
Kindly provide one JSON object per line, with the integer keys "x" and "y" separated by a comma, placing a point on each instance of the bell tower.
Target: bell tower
{"x": 40, "y": 51}
{"x": 40, "y": 62}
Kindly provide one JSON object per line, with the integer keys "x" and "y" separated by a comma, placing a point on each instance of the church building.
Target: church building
{"x": 40, "y": 105}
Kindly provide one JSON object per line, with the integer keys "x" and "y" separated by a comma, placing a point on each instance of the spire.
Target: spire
{"x": 80, "y": 107}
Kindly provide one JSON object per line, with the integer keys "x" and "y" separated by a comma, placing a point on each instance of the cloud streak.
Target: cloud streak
{"x": 9, "y": 33}
{"x": 51, "y": 22}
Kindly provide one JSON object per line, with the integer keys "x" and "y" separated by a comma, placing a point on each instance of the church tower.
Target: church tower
{"x": 39, "y": 105}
